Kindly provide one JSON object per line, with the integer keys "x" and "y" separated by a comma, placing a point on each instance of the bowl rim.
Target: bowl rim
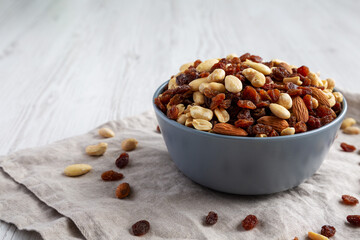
{"x": 207, "y": 134}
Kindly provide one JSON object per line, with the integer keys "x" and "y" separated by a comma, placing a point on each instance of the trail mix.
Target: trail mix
{"x": 245, "y": 96}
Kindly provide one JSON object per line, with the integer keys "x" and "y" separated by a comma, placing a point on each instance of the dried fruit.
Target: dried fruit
{"x": 77, "y": 170}
{"x": 111, "y": 176}
{"x": 217, "y": 100}
{"x": 96, "y": 150}
{"x": 158, "y": 129}
{"x": 244, "y": 122}
{"x": 300, "y": 127}
{"x": 328, "y": 231}
{"x": 349, "y": 200}
{"x": 173, "y": 112}
{"x": 140, "y": 228}
{"x": 347, "y": 147}
{"x": 249, "y": 222}
{"x": 354, "y": 220}
{"x": 106, "y": 132}
{"x": 303, "y": 70}
{"x": 211, "y": 218}
{"x": 122, "y": 160}
{"x": 129, "y": 144}
{"x": 123, "y": 190}
{"x": 246, "y": 104}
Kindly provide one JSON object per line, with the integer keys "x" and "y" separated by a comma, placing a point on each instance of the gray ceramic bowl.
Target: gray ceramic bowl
{"x": 246, "y": 165}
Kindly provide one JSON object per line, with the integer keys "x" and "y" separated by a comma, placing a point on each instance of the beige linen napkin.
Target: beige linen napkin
{"x": 173, "y": 204}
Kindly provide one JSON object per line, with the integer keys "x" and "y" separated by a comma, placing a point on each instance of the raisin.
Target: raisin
{"x": 337, "y": 107}
{"x": 290, "y": 85}
{"x": 196, "y": 63}
{"x": 225, "y": 104}
{"x": 300, "y": 127}
{"x": 249, "y": 222}
{"x": 186, "y": 77}
{"x": 263, "y": 104}
{"x": 274, "y": 95}
{"x": 354, "y": 220}
{"x": 347, "y": 147}
{"x": 244, "y": 122}
{"x": 173, "y": 112}
{"x": 323, "y": 111}
{"x": 122, "y": 160}
{"x": 295, "y": 92}
{"x": 255, "y": 58}
{"x": 176, "y": 99}
{"x": 123, "y": 190}
{"x": 244, "y": 57}
{"x": 328, "y": 231}
{"x": 158, "y": 129}
{"x": 259, "y": 112}
{"x": 279, "y": 73}
{"x": 264, "y": 95}
{"x": 313, "y": 122}
{"x": 159, "y": 104}
{"x": 244, "y": 113}
{"x": 140, "y": 228}
{"x": 273, "y": 133}
{"x": 306, "y": 81}
{"x": 217, "y": 100}
{"x": 246, "y": 104}
{"x": 249, "y": 93}
{"x": 349, "y": 200}
{"x": 220, "y": 65}
{"x": 211, "y": 218}
{"x": 111, "y": 176}
{"x": 303, "y": 70}
{"x": 308, "y": 103}
{"x": 327, "y": 119}
{"x": 261, "y": 129}
{"x": 204, "y": 74}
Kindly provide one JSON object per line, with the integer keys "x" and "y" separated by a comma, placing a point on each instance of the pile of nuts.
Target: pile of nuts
{"x": 244, "y": 96}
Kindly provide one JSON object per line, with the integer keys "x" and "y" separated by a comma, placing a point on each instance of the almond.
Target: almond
{"x": 320, "y": 96}
{"x": 300, "y": 110}
{"x": 277, "y": 123}
{"x": 228, "y": 129}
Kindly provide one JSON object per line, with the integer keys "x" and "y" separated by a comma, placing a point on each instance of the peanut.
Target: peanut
{"x": 201, "y": 113}
{"x": 261, "y": 135}
{"x": 288, "y": 131}
{"x": 172, "y": 83}
{"x": 185, "y": 66}
{"x": 198, "y": 98}
{"x": 352, "y": 130}
{"x": 181, "y": 108}
{"x": 256, "y": 78}
{"x": 338, "y": 96}
{"x": 213, "y": 86}
{"x": 315, "y": 236}
{"x": 182, "y": 119}
{"x": 197, "y": 82}
{"x": 216, "y": 76}
{"x": 231, "y": 56}
{"x": 295, "y": 80}
{"x": 331, "y": 83}
{"x": 129, "y": 144}
{"x": 202, "y": 125}
{"x": 222, "y": 115}
{"x": 233, "y": 84}
{"x": 285, "y": 100}
{"x": 77, "y": 170}
{"x": 315, "y": 80}
{"x": 258, "y": 66}
{"x": 189, "y": 122}
{"x": 348, "y": 122}
{"x": 315, "y": 103}
{"x": 106, "y": 132}
{"x": 279, "y": 111}
{"x": 206, "y": 65}
{"x": 331, "y": 99}
{"x": 277, "y": 61}
{"x": 96, "y": 150}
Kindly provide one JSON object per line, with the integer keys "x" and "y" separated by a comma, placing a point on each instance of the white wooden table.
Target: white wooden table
{"x": 68, "y": 66}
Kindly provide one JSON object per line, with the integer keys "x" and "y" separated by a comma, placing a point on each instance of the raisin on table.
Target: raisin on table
{"x": 347, "y": 147}
{"x": 122, "y": 160}
{"x": 328, "y": 231}
{"x": 349, "y": 200}
{"x": 111, "y": 176}
{"x": 140, "y": 228}
{"x": 211, "y": 218}
{"x": 354, "y": 220}
{"x": 249, "y": 222}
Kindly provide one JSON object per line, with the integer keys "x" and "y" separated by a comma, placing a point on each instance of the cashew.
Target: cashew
{"x": 189, "y": 122}
{"x": 315, "y": 80}
{"x": 331, "y": 99}
{"x": 202, "y": 125}
{"x": 315, "y": 236}
{"x": 295, "y": 80}
{"x": 233, "y": 84}
{"x": 277, "y": 61}
{"x": 181, "y": 108}
{"x": 172, "y": 83}
{"x": 206, "y": 65}
{"x": 315, "y": 103}
{"x": 352, "y": 130}
{"x": 285, "y": 100}
{"x": 338, "y": 96}
{"x": 279, "y": 111}
{"x": 129, "y": 144}
{"x": 216, "y": 76}
{"x": 347, "y": 123}
{"x": 198, "y": 98}
{"x": 256, "y": 78}
{"x": 231, "y": 56}
{"x": 77, "y": 170}
{"x": 258, "y": 66}
{"x": 201, "y": 113}
{"x": 331, "y": 83}
{"x": 106, "y": 132}
{"x": 222, "y": 115}
{"x": 197, "y": 82}
{"x": 186, "y": 66}
{"x": 219, "y": 87}
{"x": 288, "y": 131}
{"x": 182, "y": 119}
{"x": 96, "y": 150}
